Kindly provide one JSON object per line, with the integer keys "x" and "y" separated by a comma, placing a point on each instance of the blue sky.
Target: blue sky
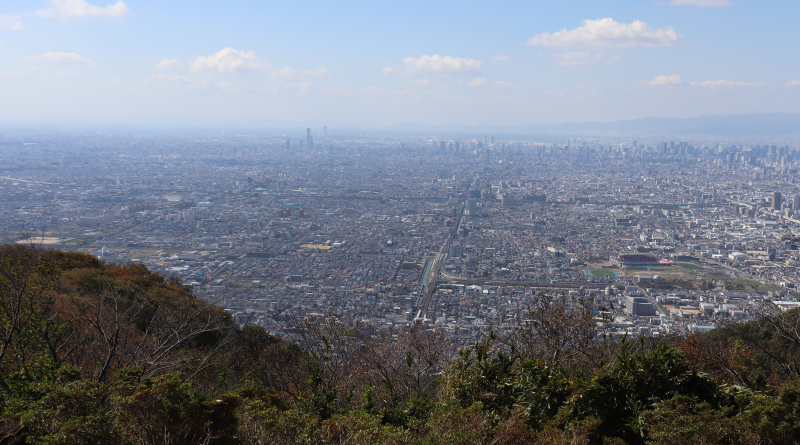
{"x": 383, "y": 63}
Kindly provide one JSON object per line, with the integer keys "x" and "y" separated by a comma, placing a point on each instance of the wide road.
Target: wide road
{"x": 433, "y": 279}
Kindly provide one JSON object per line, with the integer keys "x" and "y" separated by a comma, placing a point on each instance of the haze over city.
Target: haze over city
{"x": 432, "y": 164}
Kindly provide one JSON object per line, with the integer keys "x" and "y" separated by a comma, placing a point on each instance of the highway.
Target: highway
{"x": 433, "y": 278}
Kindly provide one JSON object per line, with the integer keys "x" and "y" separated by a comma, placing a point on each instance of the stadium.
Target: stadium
{"x": 635, "y": 260}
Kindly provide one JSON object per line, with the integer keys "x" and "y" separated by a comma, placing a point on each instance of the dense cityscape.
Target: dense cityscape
{"x": 454, "y": 233}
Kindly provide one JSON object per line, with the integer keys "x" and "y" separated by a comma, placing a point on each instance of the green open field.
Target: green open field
{"x": 602, "y": 273}
{"x": 689, "y": 266}
{"x": 742, "y": 284}
{"x": 426, "y": 270}
{"x": 666, "y": 272}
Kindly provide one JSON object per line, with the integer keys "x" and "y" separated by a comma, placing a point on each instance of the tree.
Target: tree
{"x": 27, "y": 318}
{"x": 403, "y": 363}
{"x": 274, "y": 363}
{"x": 155, "y": 326}
{"x": 561, "y": 330}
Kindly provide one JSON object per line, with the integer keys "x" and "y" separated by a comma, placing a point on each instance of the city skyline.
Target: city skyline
{"x": 72, "y": 61}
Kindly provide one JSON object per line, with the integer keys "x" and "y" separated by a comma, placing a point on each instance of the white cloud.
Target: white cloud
{"x": 575, "y": 58}
{"x": 302, "y": 88}
{"x": 723, "y": 84}
{"x": 503, "y": 84}
{"x": 230, "y": 60}
{"x": 169, "y": 64}
{"x": 233, "y": 88}
{"x": 478, "y": 83}
{"x": 13, "y": 74}
{"x": 289, "y": 73}
{"x": 585, "y": 58}
{"x": 500, "y": 58}
{"x": 11, "y": 21}
{"x": 659, "y": 81}
{"x": 434, "y": 64}
{"x": 57, "y": 57}
{"x": 373, "y": 90}
{"x": 419, "y": 82}
{"x": 66, "y": 74}
{"x": 606, "y": 33}
{"x": 64, "y": 9}
{"x": 792, "y": 83}
{"x": 320, "y": 72}
{"x": 700, "y": 3}
{"x": 335, "y": 91}
{"x": 395, "y": 93}
{"x": 176, "y": 81}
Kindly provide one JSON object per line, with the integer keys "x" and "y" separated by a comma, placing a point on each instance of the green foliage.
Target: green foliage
{"x": 680, "y": 421}
{"x": 618, "y": 394}
{"x": 322, "y": 394}
{"x": 167, "y": 409}
{"x": 62, "y": 383}
{"x": 53, "y": 405}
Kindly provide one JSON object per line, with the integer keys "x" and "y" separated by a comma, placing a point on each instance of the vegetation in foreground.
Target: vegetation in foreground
{"x": 93, "y": 353}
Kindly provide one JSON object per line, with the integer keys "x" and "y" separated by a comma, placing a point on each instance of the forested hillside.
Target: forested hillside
{"x": 95, "y": 353}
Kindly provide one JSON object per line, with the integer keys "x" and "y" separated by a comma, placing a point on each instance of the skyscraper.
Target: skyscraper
{"x": 472, "y": 207}
{"x": 309, "y": 138}
{"x": 288, "y": 145}
{"x": 776, "y": 201}
{"x": 796, "y": 203}
{"x": 325, "y": 132}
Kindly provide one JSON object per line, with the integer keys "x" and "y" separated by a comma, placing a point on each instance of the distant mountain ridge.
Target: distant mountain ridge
{"x": 761, "y": 125}
{"x": 769, "y": 124}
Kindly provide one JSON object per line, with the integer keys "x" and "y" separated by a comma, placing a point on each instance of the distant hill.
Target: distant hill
{"x": 771, "y": 124}
{"x": 766, "y": 125}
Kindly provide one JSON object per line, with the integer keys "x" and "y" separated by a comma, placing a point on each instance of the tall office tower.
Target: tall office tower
{"x": 442, "y": 145}
{"x": 776, "y": 201}
{"x": 309, "y": 138}
{"x": 472, "y": 206}
{"x": 796, "y": 203}
{"x": 485, "y": 140}
{"x": 492, "y": 139}
{"x": 288, "y": 145}
{"x": 324, "y": 132}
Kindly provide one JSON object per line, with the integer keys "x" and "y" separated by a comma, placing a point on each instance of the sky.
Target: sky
{"x": 383, "y": 63}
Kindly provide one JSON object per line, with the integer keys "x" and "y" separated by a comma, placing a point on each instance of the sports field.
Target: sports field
{"x": 602, "y": 273}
